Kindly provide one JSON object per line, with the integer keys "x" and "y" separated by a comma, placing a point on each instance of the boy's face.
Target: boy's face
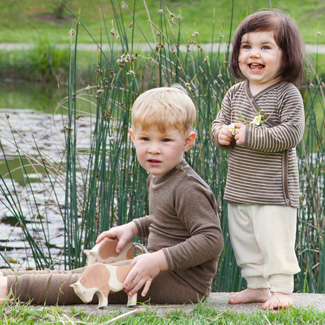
{"x": 158, "y": 153}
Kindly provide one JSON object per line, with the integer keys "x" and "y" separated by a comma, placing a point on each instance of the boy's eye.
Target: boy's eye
{"x": 145, "y": 139}
{"x": 166, "y": 140}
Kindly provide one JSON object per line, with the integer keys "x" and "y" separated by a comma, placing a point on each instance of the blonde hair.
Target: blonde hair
{"x": 165, "y": 108}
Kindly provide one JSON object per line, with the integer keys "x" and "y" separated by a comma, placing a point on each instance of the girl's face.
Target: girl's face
{"x": 259, "y": 59}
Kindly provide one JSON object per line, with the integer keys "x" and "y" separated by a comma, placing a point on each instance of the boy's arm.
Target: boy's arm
{"x": 142, "y": 225}
{"x": 124, "y": 233}
{"x": 196, "y": 208}
{"x": 145, "y": 268}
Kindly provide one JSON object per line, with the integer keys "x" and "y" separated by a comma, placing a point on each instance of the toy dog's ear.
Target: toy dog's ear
{"x": 91, "y": 256}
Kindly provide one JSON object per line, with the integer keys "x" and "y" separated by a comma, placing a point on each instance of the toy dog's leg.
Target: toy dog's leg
{"x": 94, "y": 280}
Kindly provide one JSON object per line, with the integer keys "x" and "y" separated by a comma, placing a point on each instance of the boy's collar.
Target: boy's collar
{"x": 168, "y": 175}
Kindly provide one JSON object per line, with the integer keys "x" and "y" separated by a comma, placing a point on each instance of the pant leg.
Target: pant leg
{"x": 45, "y": 286}
{"x": 7, "y": 272}
{"x": 263, "y": 237}
{"x": 166, "y": 288}
{"x": 53, "y": 287}
{"x": 275, "y": 229}
{"x": 246, "y": 249}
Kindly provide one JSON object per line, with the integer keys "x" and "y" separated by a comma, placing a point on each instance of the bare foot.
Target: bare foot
{"x": 278, "y": 300}
{"x": 251, "y": 295}
{"x": 3, "y": 287}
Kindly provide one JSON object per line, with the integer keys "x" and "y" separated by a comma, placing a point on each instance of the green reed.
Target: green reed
{"x": 41, "y": 254}
{"x": 105, "y": 186}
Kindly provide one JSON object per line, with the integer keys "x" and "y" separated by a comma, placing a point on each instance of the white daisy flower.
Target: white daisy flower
{"x": 232, "y": 128}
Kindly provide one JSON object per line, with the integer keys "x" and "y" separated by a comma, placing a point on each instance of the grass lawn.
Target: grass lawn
{"x": 29, "y": 19}
{"x": 200, "y": 314}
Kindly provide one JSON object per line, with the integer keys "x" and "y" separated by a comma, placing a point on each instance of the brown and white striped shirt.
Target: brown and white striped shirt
{"x": 265, "y": 169}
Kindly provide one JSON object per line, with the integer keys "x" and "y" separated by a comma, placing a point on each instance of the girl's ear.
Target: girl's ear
{"x": 189, "y": 141}
{"x": 132, "y": 135}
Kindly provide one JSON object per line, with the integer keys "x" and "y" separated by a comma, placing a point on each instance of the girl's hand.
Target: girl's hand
{"x": 145, "y": 268}
{"x": 225, "y": 137}
{"x": 124, "y": 233}
{"x": 240, "y": 133}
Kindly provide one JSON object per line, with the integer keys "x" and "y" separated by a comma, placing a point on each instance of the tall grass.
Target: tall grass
{"x": 105, "y": 186}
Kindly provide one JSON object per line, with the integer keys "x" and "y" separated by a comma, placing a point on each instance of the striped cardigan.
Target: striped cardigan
{"x": 264, "y": 170}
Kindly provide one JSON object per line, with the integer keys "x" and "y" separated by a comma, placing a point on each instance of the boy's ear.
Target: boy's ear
{"x": 189, "y": 141}
{"x": 132, "y": 135}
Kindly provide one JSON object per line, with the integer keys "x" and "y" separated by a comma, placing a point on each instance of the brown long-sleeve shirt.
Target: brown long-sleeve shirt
{"x": 265, "y": 169}
{"x": 183, "y": 221}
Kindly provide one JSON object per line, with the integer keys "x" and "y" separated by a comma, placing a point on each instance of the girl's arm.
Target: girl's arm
{"x": 220, "y": 134}
{"x": 285, "y": 135}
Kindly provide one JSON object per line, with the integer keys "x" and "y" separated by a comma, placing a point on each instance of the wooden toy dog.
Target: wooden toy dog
{"x": 105, "y": 252}
{"x": 100, "y": 279}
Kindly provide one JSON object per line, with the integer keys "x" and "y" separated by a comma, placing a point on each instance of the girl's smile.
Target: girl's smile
{"x": 260, "y": 59}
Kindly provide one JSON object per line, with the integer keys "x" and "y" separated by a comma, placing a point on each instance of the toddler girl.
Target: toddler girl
{"x": 261, "y": 121}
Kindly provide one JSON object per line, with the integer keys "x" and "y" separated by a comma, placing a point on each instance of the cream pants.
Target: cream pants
{"x": 263, "y": 239}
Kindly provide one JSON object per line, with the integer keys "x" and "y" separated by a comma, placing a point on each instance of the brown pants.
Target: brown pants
{"x": 53, "y": 287}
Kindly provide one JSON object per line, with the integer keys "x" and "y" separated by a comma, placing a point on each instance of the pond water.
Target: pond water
{"x": 24, "y": 95}
{"x": 23, "y": 127}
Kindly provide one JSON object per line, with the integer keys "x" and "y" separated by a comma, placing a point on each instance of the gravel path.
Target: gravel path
{"x": 310, "y": 48}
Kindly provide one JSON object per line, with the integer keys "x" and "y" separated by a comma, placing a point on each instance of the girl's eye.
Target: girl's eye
{"x": 265, "y": 47}
{"x": 246, "y": 47}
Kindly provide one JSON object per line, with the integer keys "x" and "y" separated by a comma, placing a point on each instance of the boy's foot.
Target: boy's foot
{"x": 3, "y": 287}
{"x": 251, "y": 295}
{"x": 278, "y": 300}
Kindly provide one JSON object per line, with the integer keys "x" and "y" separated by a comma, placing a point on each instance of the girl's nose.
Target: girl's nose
{"x": 254, "y": 53}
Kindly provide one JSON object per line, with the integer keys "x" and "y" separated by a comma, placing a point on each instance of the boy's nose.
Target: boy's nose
{"x": 154, "y": 149}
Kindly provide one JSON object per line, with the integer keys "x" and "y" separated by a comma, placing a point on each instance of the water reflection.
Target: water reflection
{"x": 36, "y": 96}
{"x": 39, "y": 197}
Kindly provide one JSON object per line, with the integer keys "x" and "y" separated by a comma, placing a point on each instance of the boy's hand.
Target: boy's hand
{"x": 225, "y": 136}
{"x": 124, "y": 233}
{"x": 240, "y": 133}
{"x": 145, "y": 268}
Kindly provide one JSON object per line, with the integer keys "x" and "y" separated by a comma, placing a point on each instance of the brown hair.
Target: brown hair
{"x": 286, "y": 35}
